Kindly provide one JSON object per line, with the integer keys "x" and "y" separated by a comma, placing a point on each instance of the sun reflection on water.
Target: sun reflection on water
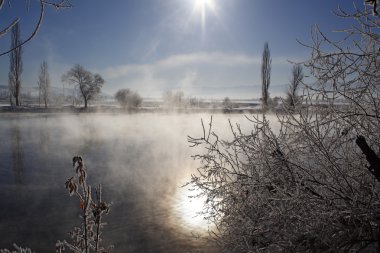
{"x": 189, "y": 206}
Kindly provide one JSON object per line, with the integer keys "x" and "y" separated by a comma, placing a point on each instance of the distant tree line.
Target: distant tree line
{"x": 88, "y": 84}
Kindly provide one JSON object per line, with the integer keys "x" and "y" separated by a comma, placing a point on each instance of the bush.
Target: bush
{"x": 128, "y": 99}
{"x": 301, "y": 183}
{"x": 227, "y": 104}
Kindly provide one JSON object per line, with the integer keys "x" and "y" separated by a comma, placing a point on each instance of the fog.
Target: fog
{"x": 142, "y": 160}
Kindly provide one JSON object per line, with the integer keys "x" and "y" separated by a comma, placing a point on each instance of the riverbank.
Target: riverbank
{"x": 114, "y": 109}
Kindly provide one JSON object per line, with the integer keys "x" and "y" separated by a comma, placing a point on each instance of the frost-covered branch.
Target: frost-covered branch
{"x": 42, "y": 3}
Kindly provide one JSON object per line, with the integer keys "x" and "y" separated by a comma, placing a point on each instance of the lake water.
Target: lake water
{"x": 141, "y": 160}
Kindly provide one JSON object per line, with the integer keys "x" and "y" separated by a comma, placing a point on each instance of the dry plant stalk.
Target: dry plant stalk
{"x": 87, "y": 238}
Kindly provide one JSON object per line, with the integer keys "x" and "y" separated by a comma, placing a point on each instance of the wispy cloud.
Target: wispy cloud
{"x": 180, "y": 61}
{"x": 151, "y": 49}
{"x": 216, "y": 59}
{"x": 190, "y": 72}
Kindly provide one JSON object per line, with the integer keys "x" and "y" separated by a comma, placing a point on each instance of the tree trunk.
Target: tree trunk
{"x": 265, "y": 75}
{"x": 372, "y": 158}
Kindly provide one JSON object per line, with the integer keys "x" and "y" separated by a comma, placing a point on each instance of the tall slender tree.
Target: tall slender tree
{"x": 265, "y": 74}
{"x": 295, "y": 81}
{"x": 14, "y": 76}
{"x": 44, "y": 83}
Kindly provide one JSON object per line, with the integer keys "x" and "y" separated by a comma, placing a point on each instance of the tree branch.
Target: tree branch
{"x": 372, "y": 158}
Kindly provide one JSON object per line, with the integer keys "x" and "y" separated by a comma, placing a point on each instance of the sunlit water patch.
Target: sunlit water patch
{"x": 189, "y": 205}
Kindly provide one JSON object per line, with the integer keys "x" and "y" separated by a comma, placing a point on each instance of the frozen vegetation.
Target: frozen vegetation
{"x": 299, "y": 174}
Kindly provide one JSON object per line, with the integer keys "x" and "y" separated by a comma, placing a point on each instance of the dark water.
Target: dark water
{"x": 141, "y": 160}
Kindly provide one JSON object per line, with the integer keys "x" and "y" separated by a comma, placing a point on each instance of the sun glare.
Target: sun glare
{"x": 190, "y": 208}
{"x": 201, "y": 7}
{"x": 203, "y": 4}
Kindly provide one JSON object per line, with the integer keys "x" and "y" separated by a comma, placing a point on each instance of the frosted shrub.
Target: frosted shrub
{"x": 311, "y": 185}
{"x": 303, "y": 188}
{"x": 18, "y": 250}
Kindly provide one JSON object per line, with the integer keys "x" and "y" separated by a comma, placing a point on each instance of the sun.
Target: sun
{"x": 201, "y": 5}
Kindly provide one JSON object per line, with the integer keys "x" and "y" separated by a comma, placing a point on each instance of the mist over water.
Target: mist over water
{"x": 141, "y": 159}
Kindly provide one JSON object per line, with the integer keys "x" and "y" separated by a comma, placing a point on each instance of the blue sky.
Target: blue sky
{"x": 152, "y": 46}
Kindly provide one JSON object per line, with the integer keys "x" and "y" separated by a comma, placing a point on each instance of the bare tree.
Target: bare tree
{"x": 43, "y": 84}
{"x": 89, "y": 84}
{"x": 58, "y": 4}
{"x": 14, "y": 76}
{"x": 265, "y": 74}
{"x": 295, "y": 81}
{"x": 308, "y": 180}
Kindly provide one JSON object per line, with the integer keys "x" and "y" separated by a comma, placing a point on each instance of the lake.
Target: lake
{"x": 142, "y": 160}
